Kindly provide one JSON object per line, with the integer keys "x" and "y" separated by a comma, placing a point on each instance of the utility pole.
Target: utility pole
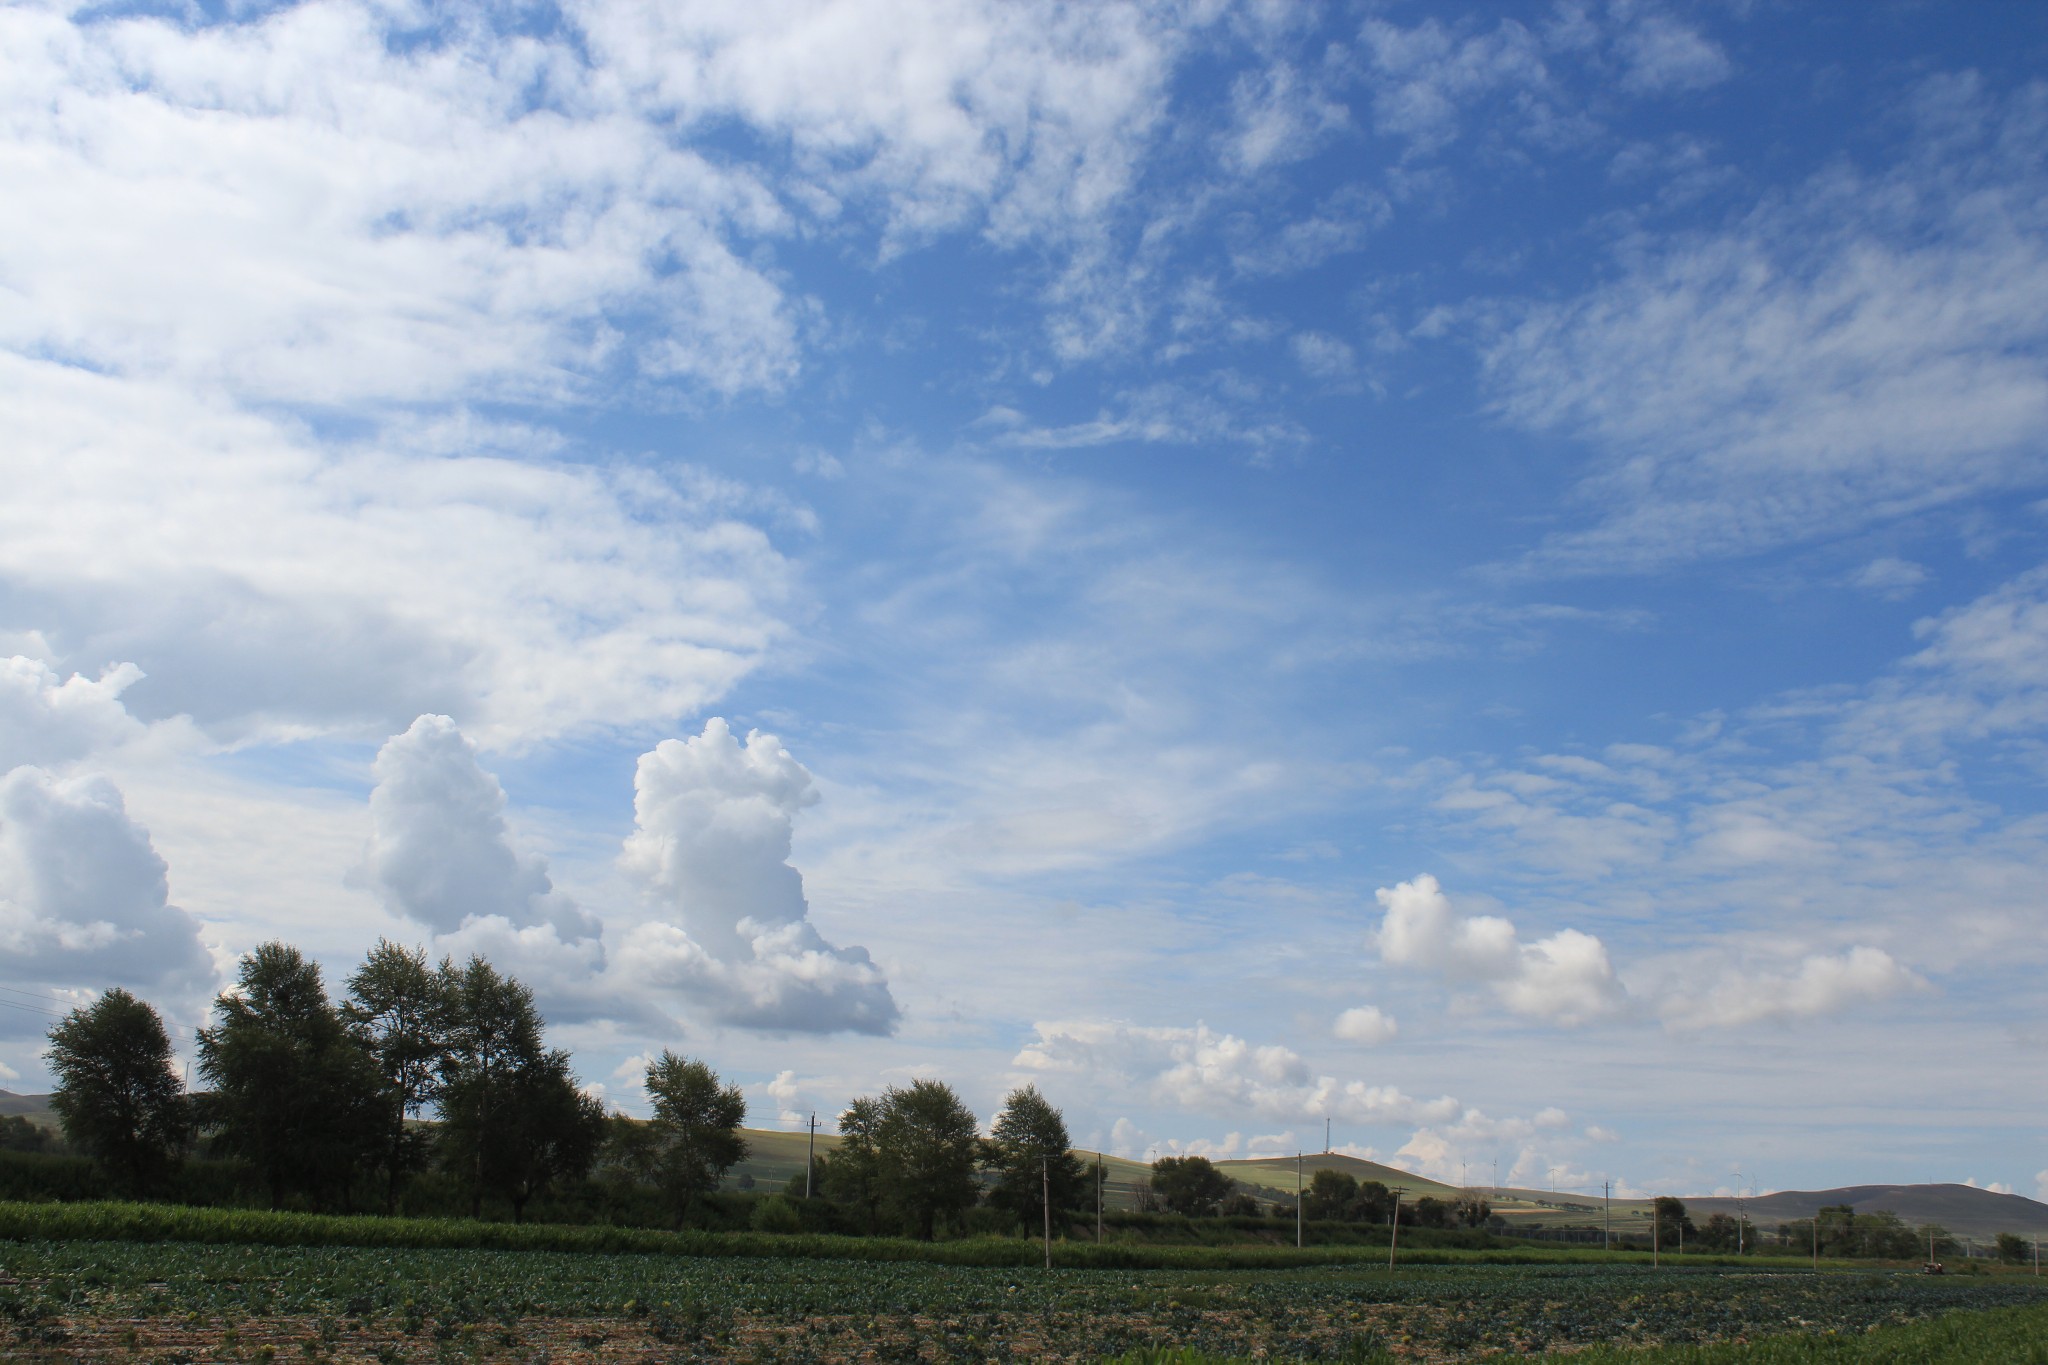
{"x": 1606, "y": 1214}
{"x": 1098, "y": 1199}
{"x": 1394, "y": 1240}
{"x": 1326, "y": 1133}
{"x": 811, "y": 1154}
{"x": 1045, "y": 1201}
{"x": 1656, "y": 1226}
{"x": 1816, "y": 1240}
{"x": 1297, "y": 1202}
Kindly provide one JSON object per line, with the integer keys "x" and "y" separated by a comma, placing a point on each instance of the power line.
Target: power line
{"x": 30, "y": 1009}
{"x": 44, "y": 997}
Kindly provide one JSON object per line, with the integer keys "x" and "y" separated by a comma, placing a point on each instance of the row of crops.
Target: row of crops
{"x": 172, "y": 1301}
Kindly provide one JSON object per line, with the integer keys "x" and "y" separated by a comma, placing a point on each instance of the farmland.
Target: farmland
{"x": 176, "y": 1301}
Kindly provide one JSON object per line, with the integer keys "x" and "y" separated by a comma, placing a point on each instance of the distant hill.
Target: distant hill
{"x": 1964, "y": 1210}
{"x": 1278, "y": 1174}
{"x": 34, "y": 1108}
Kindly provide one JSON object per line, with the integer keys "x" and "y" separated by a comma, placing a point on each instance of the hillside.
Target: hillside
{"x": 1964, "y": 1210}
{"x": 1277, "y": 1174}
{"x": 35, "y": 1108}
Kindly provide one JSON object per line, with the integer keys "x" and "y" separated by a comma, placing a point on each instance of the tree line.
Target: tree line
{"x": 325, "y": 1102}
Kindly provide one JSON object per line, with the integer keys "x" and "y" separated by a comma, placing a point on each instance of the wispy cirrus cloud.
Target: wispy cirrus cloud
{"x": 1860, "y": 348}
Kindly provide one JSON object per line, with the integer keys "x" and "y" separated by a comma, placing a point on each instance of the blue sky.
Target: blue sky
{"x": 1474, "y": 571}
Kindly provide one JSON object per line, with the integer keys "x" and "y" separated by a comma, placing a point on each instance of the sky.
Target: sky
{"x": 1472, "y": 574}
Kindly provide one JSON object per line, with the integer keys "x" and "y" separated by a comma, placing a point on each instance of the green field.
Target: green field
{"x": 175, "y": 1301}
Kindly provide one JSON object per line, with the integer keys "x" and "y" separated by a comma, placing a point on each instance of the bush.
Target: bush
{"x": 776, "y": 1214}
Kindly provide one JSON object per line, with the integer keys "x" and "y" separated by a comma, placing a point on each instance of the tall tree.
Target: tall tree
{"x": 493, "y": 1030}
{"x": 1029, "y": 1152}
{"x": 1674, "y": 1225}
{"x": 1189, "y": 1185}
{"x": 1330, "y": 1195}
{"x": 513, "y": 1121}
{"x": 696, "y": 1129}
{"x": 117, "y": 1097}
{"x": 549, "y": 1131}
{"x": 398, "y": 1009}
{"x": 293, "y": 1093}
{"x": 926, "y": 1148}
{"x": 853, "y": 1175}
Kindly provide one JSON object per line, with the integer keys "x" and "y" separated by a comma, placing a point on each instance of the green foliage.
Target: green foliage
{"x": 17, "y": 1134}
{"x": 117, "y": 1097}
{"x": 1673, "y": 1225}
{"x": 294, "y": 1095}
{"x": 776, "y": 1214}
{"x": 1722, "y": 1233}
{"x": 853, "y": 1175}
{"x": 513, "y": 1121}
{"x": 1189, "y": 1185}
{"x": 785, "y": 1304}
{"x": 2010, "y": 1336}
{"x": 925, "y": 1149}
{"x": 1028, "y": 1152}
{"x": 398, "y": 1010}
{"x": 695, "y": 1132}
{"x": 1471, "y": 1211}
{"x": 1330, "y": 1195}
{"x": 2014, "y": 1249}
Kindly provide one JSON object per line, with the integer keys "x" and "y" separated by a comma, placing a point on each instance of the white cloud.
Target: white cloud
{"x": 1564, "y": 978}
{"x": 272, "y": 586}
{"x": 46, "y": 721}
{"x": 298, "y": 206}
{"x": 1026, "y": 118}
{"x": 1861, "y": 349}
{"x": 1663, "y": 54}
{"x": 1889, "y": 576}
{"x": 1426, "y": 76}
{"x": 1202, "y": 1070}
{"x": 2041, "y": 1186}
{"x": 1323, "y": 356}
{"x": 710, "y": 846}
{"x": 1278, "y": 115}
{"x": 84, "y": 898}
{"x": 1821, "y": 984}
{"x": 1365, "y": 1024}
{"x": 439, "y": 851}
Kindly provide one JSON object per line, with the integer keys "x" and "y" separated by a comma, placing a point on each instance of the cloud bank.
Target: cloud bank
{"x": 710, "y": 848}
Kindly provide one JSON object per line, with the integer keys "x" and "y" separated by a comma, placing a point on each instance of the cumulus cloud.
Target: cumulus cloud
{"x": 440, "y": 853}
{"x": 45, "y": 720}
{"x": 84, "y": 898}
{"x": 1365, "y": 1024}
{"x": 1564, "y": 978}
{"x": 1207, "y": 1071}
{"x": 1821, "y": 984}
{"x": 710, "y": 846}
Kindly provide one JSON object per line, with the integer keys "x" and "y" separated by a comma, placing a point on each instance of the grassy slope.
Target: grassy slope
{"x": 1278, "y": 1174}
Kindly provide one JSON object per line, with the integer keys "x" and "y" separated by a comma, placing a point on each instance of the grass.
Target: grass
{"x": 120, "y": 1222}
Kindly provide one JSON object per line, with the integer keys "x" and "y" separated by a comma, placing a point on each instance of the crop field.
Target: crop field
{"x": 89, "y": 1301}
